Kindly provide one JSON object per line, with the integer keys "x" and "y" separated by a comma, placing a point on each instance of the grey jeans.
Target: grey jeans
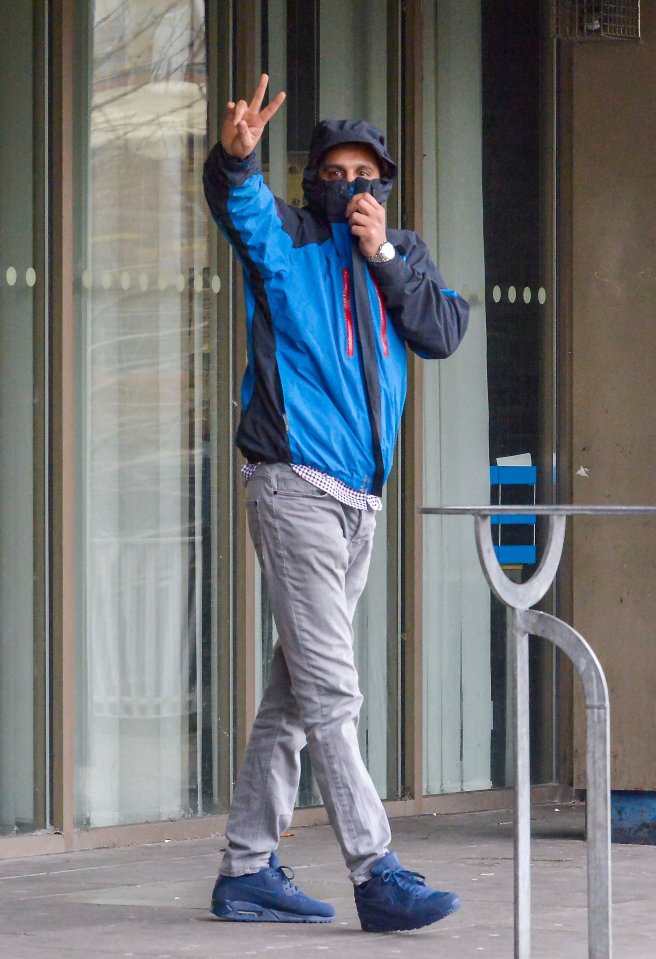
{"x": 314, "y": 553}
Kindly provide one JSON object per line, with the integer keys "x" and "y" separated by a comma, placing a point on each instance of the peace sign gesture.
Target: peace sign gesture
{"x": 245, "y": 122}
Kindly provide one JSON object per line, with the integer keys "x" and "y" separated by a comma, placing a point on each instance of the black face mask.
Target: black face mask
{"x": 331, "y": 197}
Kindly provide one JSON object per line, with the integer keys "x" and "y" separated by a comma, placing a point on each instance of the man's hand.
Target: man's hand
{"x": 245, "y": 122}
{"x": 366, "y": 218}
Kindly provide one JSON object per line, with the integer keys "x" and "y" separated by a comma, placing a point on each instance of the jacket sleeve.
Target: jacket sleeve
{"x": 430, "y": 318}
{"x": 246, "y": 211}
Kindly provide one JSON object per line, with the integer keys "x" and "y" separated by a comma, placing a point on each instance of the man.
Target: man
{"x": 332, "y": 299}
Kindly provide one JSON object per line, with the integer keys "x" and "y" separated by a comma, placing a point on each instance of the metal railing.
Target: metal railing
{"x": 520, "y": 597}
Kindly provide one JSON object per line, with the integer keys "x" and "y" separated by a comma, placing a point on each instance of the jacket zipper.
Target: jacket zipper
{"x": 348, "y": 312}
{"x": 383, "y": 318}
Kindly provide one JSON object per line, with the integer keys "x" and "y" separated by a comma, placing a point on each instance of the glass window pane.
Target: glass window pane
{"x": 518, "y": 262}
{"x": 23, "y": 694}
{"x": 144, "y": 293}
{"x": 457, "y": 700}
{"x": 484, "y": 151}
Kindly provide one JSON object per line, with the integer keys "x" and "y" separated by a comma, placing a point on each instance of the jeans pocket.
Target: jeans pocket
{"x": 253, "y": 516}
{"x": 291, "y": 484}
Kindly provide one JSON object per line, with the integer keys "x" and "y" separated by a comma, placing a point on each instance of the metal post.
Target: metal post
{"x": 522, "y": 851}
{"x": 598, "y": 832}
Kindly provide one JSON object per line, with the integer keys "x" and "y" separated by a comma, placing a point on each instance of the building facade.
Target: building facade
{"x": 135, "y": 628}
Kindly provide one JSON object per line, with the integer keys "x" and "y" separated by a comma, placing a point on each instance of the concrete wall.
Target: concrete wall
{"x": 614, "y": 384}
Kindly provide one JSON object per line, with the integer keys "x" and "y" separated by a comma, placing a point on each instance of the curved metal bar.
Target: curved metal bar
{"x": 576, "y": 648}
{"x": 520, "y": 595}
{"x": 598, "y": 768}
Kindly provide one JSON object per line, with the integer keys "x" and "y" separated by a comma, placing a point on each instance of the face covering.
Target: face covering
{"x": 331, "y": 197}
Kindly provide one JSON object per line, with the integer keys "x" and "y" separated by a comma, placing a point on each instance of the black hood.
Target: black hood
{"x": 331, "y": 133}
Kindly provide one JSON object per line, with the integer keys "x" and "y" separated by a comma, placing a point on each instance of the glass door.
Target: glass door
{"x": 488, "y": 406}
{"x": 458, "y": 706}
{"x": 147, "y": 732}
{"x": 24, "y": 746}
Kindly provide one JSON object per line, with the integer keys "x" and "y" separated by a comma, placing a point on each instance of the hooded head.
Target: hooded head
{"x": 330, "y": 197}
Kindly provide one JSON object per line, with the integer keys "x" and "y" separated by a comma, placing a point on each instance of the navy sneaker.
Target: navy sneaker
{"x": 395, "y": 899}
{"x": 267, "y": 896}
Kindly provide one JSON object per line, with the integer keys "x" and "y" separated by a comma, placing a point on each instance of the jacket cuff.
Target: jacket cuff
{"x": 231, "y": 170}
{"x": 391, "y": 275}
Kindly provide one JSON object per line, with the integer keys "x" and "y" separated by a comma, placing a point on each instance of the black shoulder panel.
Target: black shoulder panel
{"x": 301, "y": 224}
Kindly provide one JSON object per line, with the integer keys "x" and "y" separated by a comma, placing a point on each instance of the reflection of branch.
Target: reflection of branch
{"x": 119, "y": 13}
{"x": 126, "y": 91}
{"x": 187, "y": 51}
{"x": 179, "y": 50}
{"x": 148, "y": 122}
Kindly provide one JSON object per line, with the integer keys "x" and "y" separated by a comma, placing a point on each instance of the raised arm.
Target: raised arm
{"x": 240, "y": 201}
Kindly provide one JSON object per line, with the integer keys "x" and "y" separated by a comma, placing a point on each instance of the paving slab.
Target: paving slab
{"x": 152, "y": 900}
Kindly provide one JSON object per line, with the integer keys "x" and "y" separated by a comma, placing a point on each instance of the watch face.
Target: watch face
{"x": 386, "y": 252}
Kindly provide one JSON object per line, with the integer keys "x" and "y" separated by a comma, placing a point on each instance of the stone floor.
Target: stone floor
{"x": 152, "y": 900}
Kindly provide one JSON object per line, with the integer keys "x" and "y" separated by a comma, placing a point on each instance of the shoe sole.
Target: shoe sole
{"x": 234, "y": 910}
{"x": 373, "y": 926}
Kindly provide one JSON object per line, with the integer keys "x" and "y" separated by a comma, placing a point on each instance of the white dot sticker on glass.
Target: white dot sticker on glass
{"x": 512, "y": 294}
{"x": 542, "y": 296}
{"x": 125, "y": 280}
{"x": 12, "y": 276}
{"x": 527, "y": 294}
{"x": 216, "y": 283}
{"x": 86, "y": 279}
{"x": 179, "y": 282}
{"x": 143, "y": 281}
{"x": 30, "y": 276}
{"x": 496, "y": 294}
{"x": 198, "y": 283}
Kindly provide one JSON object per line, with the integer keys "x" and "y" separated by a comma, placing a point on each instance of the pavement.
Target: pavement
{"x": 152, "y": 900}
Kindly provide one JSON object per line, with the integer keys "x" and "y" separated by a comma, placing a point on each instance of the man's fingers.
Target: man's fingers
{"x": 354, "y": 206}
{"x": 273, "y": 107}
{"x": 354, "y": 210}
{"x": 240, "y": 109}
{"x": 258, "y": 96}
{"x": 363, "y": 219}
{"x": 364, "y": 216}
{"x": 364, "y": 202}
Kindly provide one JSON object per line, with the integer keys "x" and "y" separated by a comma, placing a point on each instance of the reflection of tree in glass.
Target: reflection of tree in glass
{"x": 144, "y": 228}
{"x": 149, "y": 73}
{"x": 160, "y": 37}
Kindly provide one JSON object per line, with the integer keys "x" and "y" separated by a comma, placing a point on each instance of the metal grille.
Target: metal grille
{"x": 597, "y": 19}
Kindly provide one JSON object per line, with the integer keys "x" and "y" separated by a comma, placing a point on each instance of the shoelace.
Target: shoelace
{"x": 286, "y": 877}
{"x": 404, "y": 878}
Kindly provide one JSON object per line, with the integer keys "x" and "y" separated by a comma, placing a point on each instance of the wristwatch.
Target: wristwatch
{"x": 383, "y": 254}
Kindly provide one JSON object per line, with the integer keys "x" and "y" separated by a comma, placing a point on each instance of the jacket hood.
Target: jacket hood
{"x": 331, "y": 133}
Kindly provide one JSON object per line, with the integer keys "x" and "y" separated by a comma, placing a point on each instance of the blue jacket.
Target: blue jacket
{"x": 325, "y": 382}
